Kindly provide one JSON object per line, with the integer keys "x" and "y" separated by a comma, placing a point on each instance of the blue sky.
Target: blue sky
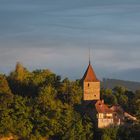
{"x": 56, "y": 34}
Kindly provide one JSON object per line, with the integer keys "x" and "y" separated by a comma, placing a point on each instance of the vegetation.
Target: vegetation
{"x": 39, "y": 105}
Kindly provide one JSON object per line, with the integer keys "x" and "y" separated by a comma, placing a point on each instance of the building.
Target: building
{"x": 91, "y": 85}
{"x": 103, "y": 115}
{"x": 91, "y": 95}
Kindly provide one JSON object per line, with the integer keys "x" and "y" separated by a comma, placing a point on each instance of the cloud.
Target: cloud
{"x": 119, "y": 59}
{"x": 71, "y": 61}
{"x": 57, "y": 35}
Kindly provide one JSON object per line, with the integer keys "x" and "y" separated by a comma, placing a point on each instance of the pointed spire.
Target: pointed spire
{"x": 90, "y": 75}
{"x": 89, "y": 56}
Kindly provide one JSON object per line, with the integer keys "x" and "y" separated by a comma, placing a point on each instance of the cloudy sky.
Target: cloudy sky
{"x": 56, "y": 34}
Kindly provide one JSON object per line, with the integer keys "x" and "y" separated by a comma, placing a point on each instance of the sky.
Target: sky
{"x": 57, "y": 35}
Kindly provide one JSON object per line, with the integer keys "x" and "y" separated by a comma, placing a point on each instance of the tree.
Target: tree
{"x": 70, "y": 92}
{"x": 39, "y": 77}
{"x": 81, "y": 129}
{"x": 20, "y": 116}
{"x": 46, "y": 113}
{"x": 39, "y": 105}
{"x": 135, "y": 104}
{"x": 125, "y": 133}
{"x": 20, "y": 73}
{"x": 110, "y": 133}
{"x": 19, "y": 80}
{"x": 120, "y": 93}
{"x": 4, "y": 87}
{"x": 108, "y": 96}
{"x": 6, "y": 98}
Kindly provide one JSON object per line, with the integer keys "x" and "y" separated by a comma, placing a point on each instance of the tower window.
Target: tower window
{"x": 88, "y": 84}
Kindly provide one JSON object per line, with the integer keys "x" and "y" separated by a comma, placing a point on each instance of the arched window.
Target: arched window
{"x": 88, "y": 84}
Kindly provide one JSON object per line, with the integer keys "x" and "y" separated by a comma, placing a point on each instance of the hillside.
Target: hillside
{"x": 111, "y": 83}
{"x": 38, "y": 105}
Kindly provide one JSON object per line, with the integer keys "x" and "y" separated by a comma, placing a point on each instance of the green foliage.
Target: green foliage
{"x": 15, "y": 117}
{"x": 70, "y": 92}
{"x": 129, "y": 132}
{"x": 135, "y": 104}
{"x": 80, "y": 129}
{"x": 4, "y": 87}
{"x": 21, "y": 116}
{"x": 39, "y": 105}
{"x": 108, "y": 97}
{"x": 6, "y": 122}
{"x": 110, "y": 134}
{"x": 41, "y": 76}
{"x": 20, "y": 73}
{"x": 106, "y": 137}
{"x": 120, "y": 93}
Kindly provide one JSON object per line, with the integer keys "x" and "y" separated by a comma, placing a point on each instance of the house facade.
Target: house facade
{"x": 105, "y": 116}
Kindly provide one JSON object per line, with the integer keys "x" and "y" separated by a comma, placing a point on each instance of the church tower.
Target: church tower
{"x": 91, "y": 85}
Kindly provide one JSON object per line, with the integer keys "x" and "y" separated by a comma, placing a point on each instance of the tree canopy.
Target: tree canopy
{"x": 40, "y": 105}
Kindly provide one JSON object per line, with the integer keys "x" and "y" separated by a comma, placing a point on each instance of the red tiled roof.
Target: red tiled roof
{"x": 89, "y": 75}
{"x": 102, "y": 108}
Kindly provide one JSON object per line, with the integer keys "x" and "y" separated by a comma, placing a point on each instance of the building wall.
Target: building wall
{"x": 103, "y": 121}
{"x": 91, "y": 91}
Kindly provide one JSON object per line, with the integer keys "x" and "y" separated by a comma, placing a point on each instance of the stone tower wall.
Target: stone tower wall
{"x": 91, "y": 91}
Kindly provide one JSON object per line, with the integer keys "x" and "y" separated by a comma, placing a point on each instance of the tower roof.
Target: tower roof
{"x": 89, "y": 75}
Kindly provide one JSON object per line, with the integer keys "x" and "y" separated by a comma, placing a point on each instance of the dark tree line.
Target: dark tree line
{"x": 40, "y": 105}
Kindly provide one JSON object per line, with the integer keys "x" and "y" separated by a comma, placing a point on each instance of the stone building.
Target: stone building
{"x": 103, "y": 115}
{"x": 91, "y": 85}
